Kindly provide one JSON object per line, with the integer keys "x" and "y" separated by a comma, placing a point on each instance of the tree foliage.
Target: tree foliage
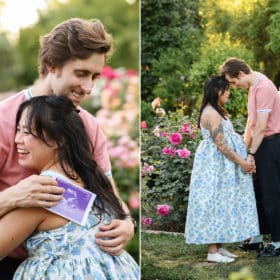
{"x": 9, "y": 68}
{"x": 176, "y": 64}
{"x": 120, "y": 19}
{"x": 169, "y": 38}
{"x": 253, "y": 23}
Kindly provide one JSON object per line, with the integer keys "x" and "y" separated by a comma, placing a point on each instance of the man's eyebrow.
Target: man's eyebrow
{"x": 87, "y": 72}
{"x": 82, "y": 70}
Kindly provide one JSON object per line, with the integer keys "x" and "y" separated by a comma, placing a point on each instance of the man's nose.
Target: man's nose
{"x": 87, "y": 86}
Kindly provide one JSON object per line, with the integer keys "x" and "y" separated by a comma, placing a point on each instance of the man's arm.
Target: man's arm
{"x": 34, "y": 191}
{"x": 119, "y": 232}
{"x": 258, "y": 135}
{"x": 116, "y": 191}
{"x": 259, "y": 131}
{"x": 16, "y": 226}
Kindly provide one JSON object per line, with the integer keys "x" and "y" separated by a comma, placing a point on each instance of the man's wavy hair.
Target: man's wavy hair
{"x": 73, "y": 39}
{"x": 232, "y": 66}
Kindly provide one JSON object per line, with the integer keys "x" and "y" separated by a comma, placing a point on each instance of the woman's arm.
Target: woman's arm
{"x": 212, "y": 121}
{"x": 16, "y": 226}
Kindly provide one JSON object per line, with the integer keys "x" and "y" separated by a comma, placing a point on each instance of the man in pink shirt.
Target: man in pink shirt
{"x": 71, "y": 57}
{"x": 262, "y": 137}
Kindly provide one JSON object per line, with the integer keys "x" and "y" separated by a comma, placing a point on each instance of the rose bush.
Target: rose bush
{"x": 167, "y": 152}
{"x": 116, "y": 95}
{"x": 115, "y": 103}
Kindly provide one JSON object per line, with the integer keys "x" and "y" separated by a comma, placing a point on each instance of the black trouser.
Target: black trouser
{"x": 8, "y": 267}
{"x": 267, "y": 186}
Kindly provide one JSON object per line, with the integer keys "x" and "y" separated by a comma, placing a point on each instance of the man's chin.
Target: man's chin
{"x": 76, "y": 103}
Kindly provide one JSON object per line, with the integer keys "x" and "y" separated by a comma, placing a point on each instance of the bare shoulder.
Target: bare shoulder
{"x": 40, "y": 218}
{"x": 21, "y": 222}
{"x": 210, "y": 117}
{"x": 36, "y": 214}
{"x": 51, "y": 221}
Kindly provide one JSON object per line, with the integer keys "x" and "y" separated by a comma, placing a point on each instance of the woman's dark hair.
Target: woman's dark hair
{"x": 55, "y": 118}
{"x": 212, "y": 87}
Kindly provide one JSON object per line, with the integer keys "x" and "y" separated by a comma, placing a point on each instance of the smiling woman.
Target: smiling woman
{"x": 48, "y": 127}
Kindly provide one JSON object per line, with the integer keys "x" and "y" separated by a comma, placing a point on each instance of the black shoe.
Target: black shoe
{"x": 247, "y": 246}
{"x": 269, "y": 251}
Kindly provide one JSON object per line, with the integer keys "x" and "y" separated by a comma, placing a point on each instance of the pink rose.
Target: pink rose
{"x": 168, "y": 151}
{"x": 163, "y": 209}
{"x": 133, "y": 201}
{"x": 186, "y": 128}
{"x": 183, "y": 153}
{"x": 175, "y": 138}
{"x": 109, "y": 73}
{"x": 146, "y": 169}
{"x": 164, "y": 134}
{"x": 146, "y": 221}
{"x": 144, "y": 125}
{"x": 131, "y": 73}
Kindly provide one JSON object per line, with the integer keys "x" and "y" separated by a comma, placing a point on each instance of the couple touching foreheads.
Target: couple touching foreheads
{"x": 235, "y": 182}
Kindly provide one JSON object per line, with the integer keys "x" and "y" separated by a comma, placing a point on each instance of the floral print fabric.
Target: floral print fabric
{"x": 221, "y": 206}
{"x": 70, "y": 252}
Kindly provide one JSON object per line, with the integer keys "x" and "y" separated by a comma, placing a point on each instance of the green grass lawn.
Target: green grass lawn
{"x": 166, "y": 256}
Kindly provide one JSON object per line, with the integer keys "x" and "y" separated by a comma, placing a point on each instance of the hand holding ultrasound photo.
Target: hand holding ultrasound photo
{"x": 76, "y": 202}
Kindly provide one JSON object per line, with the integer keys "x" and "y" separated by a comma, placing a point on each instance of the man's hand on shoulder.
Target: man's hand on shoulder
{"x": 35, "y": 191}
{"x": 114, "y": 237}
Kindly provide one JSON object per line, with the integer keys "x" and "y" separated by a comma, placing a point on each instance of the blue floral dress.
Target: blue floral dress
{"x": 70, "y": 252}
{"x": 221, "y": 206}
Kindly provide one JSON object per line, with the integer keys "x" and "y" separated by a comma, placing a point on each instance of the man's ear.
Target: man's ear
{"x": 240, "y": 74}
{"x": 51, "y": 69}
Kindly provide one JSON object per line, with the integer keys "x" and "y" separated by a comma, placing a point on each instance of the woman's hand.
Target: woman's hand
{"x": 249, "y": 166}
{"x": 251, "y": 160}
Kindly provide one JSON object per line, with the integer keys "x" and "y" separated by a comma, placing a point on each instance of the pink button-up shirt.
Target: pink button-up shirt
{"x": 264, "y": 97}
